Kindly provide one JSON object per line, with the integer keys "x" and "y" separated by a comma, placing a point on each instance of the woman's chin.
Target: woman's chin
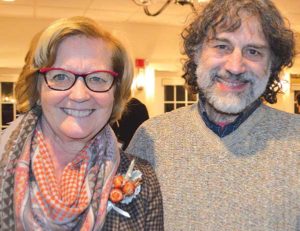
{"x": 76, "y": 133}
{"x": 74, "y": 129}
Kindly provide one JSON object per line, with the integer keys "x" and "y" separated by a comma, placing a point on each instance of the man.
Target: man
{"x": 229, "y": 162}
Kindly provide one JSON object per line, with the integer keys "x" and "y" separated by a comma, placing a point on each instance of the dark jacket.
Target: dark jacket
{"x": 136, "y": 113}
{"x": 146, "y": 209}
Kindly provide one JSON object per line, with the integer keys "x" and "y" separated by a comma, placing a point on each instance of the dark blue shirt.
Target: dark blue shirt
{"x": 222, "y": 131}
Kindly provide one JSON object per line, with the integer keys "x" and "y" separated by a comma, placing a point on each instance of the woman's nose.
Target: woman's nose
{"x": 79, "y": 91}
{"x": 235, "y": 62}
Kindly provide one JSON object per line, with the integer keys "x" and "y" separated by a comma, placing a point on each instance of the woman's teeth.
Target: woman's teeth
{"x": 78, "y": 113}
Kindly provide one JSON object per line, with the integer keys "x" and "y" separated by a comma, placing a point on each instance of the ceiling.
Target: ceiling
{"x": 102, "y": 10}
{"x": 21, "y": 19}
{"x": 121, "y": 10}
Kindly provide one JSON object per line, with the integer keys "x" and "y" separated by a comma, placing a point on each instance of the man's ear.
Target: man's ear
{"x": 197, "y": 54}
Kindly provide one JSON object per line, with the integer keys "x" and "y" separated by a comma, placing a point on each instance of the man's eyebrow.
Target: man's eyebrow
{"x": 216, "y": 39}
{"x": 258, "y": 46}
{"x": 253, "y": 45}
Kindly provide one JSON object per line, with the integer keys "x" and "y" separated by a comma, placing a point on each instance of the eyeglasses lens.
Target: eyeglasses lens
{"x": 64, "y": 80}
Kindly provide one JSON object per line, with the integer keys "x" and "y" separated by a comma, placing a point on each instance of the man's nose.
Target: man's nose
{"x": 79, "y": 91}
{"x": 235, "y": 62}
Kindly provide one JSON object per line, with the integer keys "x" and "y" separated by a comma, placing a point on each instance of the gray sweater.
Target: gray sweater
{"x": 248, "y": 180}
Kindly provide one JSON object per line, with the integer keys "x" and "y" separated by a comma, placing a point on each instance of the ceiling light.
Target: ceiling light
{"x": 146, "y": 3}
{"x": 8, "y": 0}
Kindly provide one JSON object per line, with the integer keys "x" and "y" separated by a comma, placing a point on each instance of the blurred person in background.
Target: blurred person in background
{"x": 134, "y": 115}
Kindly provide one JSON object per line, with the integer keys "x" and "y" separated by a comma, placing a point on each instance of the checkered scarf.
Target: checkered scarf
{"x": 30, "y": 197}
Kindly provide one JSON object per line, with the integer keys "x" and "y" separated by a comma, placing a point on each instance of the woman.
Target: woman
{"x": 59, "y": 159}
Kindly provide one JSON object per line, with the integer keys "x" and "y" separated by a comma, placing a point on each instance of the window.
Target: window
{"x": 295, "y": 87}
{"x": 297, "y": 102}
{"x": 176, "y": 96}
{"x": 7, "y": 101}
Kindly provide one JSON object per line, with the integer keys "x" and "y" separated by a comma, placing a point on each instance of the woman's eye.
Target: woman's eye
{"x": 96, "y": 79}
{"x": 60, "y": 77}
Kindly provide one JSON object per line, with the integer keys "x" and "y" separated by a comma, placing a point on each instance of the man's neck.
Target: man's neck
{"x": 218, "y": 117}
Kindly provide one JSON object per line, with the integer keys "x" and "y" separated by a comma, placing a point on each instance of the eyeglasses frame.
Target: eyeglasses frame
{"x": 44, "y": 71}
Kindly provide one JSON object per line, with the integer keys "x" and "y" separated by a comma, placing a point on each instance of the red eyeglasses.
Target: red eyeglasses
{"x": 60, "y": 79}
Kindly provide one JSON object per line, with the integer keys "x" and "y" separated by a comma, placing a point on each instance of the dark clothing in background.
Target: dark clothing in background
{"x": 132, "y": 118}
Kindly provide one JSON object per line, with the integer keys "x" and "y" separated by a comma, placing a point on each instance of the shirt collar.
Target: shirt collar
{"x": 223, "y": 131}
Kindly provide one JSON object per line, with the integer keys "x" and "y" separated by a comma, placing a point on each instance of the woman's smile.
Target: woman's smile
{"x": 78, "y": 113}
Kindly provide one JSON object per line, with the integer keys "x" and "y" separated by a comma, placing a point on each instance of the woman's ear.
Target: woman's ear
{"x": 39, "y": 86}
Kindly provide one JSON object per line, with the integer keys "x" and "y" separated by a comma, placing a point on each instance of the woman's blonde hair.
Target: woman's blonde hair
{"x": 42, "y": 53}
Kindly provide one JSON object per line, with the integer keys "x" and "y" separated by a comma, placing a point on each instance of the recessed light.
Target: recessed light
{"x": 8, "y": 0}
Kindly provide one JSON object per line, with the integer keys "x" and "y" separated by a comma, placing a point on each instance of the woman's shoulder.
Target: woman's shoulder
{"x": 150, "y": 183}
{"x": 5, "y": 134}
{"x": 140, "y": 164}
{"x": 146, "y": 208}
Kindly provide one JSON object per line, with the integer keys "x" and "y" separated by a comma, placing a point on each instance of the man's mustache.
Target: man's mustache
{"x": 246, "y": 77}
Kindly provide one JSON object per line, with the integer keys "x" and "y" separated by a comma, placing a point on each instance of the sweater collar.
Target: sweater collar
{"x": 223, "y": 130}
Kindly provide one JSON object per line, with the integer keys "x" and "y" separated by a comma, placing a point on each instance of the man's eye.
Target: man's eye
{"x": 253, "y": 52}
{"x": 221, "y": 47}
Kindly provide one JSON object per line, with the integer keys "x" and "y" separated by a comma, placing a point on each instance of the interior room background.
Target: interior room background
{"x": 153, "y": 41}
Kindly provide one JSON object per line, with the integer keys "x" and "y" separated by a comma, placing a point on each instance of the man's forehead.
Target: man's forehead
{"x": 245, "y": 22}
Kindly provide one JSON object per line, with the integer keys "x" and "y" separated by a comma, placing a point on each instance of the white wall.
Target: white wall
{"x": 159, "y": 45}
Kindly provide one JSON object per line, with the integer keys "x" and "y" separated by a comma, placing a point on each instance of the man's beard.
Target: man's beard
{"x": 230, "y": 102}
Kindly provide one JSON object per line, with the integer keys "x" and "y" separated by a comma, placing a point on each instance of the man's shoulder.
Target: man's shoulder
{"x": 280, "y": 120}
{"x": 175, "y": 116}
{"x": 282, "y": 115}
